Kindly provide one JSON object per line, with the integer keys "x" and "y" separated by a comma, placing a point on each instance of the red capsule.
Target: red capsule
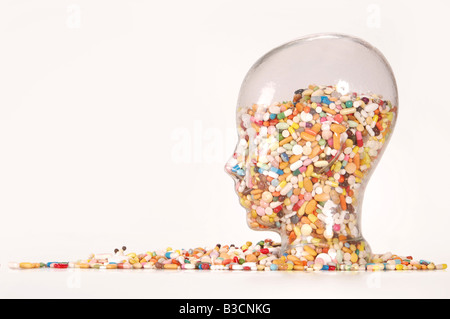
{"x": 277, "y": 209}
{"x": 57, "y": 265}
{"x": 264, "y": 251}
{"x": 205, "y": 266}
{"x": 296, "y": 206}
{"x": 359, "y": 141}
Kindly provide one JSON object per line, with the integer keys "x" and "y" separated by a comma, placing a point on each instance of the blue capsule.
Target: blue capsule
{"x": 276, "y": 170}
{"x": 325, "y": 100}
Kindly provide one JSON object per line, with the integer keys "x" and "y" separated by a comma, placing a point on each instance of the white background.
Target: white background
{"x": 116, "y": 119}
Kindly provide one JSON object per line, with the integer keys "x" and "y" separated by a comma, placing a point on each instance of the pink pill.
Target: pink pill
{"x": 293, "y": 199}
{"x": 260, "y": 211}
{"x": 330, "y": 142}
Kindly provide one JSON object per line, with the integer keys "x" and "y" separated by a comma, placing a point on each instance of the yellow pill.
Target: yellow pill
{"x": 170, "y": 266}
{"x": 309, "y": 170}
{"x": 131, "y": 255}
{"x": 377, "y": 260}
{"x": 310, "y": 251}
{"x": 282, "y": 184}
{"x": 302, "y": 209}
{"x": 262, "y": 256}
{"x": 375, "y": 118}
{"x": 312, "y": 218}
{"x": 291, "y": 130}
{"x": 390, "y": 116}
{"x": 337, "y": 166}
{"x": 111, "y": 266}
{"x": 334, "y": 184}
{"x": 358, "y": 173}
{"x": 260, "y": 267}
{"x": 298, "y": 267}
{"x": 348, "y": 143}
{"x": 399, "y": 267}
{"x": 26, "y": 265}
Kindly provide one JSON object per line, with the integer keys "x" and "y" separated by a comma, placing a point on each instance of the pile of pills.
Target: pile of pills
{"x": 300, "y": 166}
{"x": 262, "y": 256}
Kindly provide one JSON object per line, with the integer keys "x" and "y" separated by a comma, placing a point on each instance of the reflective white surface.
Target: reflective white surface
{"x": 90, "y": 283}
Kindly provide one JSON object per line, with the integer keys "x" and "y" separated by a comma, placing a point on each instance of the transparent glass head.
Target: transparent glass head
{"x": 313, "y": 118}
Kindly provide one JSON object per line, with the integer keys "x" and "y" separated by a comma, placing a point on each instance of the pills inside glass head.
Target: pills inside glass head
{"x": 301, "y": 164}
{"x": 314, "y": 117}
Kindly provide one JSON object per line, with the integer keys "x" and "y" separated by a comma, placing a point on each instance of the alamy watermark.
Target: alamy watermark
{"x": 202, "y": 145}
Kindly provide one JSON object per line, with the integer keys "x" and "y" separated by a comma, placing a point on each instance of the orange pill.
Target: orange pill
{"x": 299, "y": 107}
{"x": 336, "y": 141}
{"x": 343, "y": 203}
{"x": 310, "y": 132}
{"x": 306, "y": 137}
